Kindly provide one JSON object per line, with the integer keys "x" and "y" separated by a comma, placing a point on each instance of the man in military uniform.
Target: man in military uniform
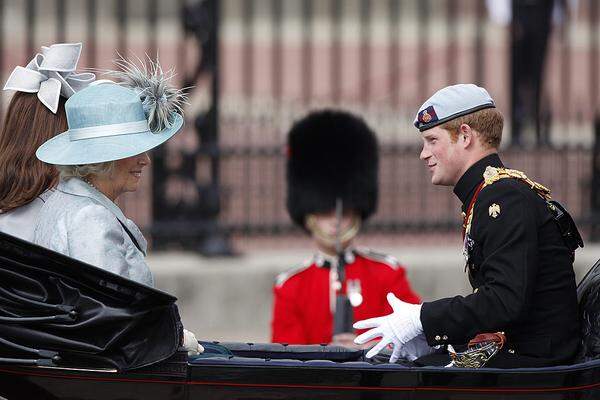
{"x": 333, "y": 159}
{"x": 519, "y": 260}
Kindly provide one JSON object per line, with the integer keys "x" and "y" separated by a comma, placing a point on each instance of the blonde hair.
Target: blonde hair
{"x": 488, "y": 122}
{"x": 85, "y": 170}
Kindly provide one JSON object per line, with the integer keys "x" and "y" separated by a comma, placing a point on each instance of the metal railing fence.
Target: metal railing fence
{"x": 278, "y": 59}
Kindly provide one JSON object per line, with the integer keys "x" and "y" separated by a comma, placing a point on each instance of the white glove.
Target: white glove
{"x": 190, "y": 343}
{"x": 416, "y": 348}
{"x": 398, "y": 328}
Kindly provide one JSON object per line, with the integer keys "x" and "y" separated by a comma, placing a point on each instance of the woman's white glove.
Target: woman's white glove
{"x": 398, "y": 328}
{"x": 190, "y": 343}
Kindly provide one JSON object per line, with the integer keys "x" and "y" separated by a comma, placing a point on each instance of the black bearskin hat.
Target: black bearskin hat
{"x": 331, "y": 154}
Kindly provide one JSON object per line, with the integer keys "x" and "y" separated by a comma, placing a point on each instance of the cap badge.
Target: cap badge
{"x": 494, "y": 210}
{"x": 428, "y": 115}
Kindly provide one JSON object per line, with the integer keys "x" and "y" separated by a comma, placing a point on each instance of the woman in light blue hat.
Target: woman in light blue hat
{"x": 35, "y": 114}
{"x": 101, "y": 156}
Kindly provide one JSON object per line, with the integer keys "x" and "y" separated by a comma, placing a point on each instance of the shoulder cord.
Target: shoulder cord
{"x": 493, "y": 174}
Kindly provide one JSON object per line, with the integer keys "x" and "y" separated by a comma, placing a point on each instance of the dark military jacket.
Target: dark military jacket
{"x": 521, "y": 272}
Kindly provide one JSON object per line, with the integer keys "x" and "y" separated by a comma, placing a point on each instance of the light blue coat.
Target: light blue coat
{"x": 79, "y": 221}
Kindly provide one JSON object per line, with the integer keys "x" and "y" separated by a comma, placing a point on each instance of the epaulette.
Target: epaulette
{"x": 493, "y": 174}
{"x": 376, "y": 256}
{"x": 284, "y": 276}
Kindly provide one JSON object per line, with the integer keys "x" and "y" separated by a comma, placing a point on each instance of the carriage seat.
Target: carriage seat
{"x": 588, "y": 297}
{"x": 278, "y": 351}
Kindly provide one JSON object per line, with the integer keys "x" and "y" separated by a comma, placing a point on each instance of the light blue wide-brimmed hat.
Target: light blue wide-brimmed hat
{"x": 107, "y": 122}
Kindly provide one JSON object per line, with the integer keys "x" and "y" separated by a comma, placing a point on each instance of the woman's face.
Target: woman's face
{"x": 127, "y": 173}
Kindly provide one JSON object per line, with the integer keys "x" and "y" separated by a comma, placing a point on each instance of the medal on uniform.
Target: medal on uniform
{"x": 353, "y": 291}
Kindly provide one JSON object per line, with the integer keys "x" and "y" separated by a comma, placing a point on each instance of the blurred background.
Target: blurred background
{"x": 213, "y": 205}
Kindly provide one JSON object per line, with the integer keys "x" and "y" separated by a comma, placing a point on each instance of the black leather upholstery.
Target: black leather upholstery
{"x": 55, "y": 310}
{"x": 588, "y": 296}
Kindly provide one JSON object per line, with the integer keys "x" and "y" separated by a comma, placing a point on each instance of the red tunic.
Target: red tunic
{"x": 301, "y": 309}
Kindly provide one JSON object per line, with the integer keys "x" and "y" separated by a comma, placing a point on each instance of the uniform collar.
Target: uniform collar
{"x": 466, "y": 185}
{"x": 78, "y": 187}
{"x": 325, "y": 260}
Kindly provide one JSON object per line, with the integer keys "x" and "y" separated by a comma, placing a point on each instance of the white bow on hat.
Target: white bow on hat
{"x": 51, "y": 74}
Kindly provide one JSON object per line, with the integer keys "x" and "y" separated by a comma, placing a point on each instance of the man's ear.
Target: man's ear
{"x": 466, "y": 135}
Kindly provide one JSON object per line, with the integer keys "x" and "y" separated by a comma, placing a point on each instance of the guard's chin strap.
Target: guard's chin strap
{"x": 345, "y": 236}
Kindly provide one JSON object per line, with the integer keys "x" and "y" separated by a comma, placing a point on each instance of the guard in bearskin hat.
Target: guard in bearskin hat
{"x": 332, "y": 170}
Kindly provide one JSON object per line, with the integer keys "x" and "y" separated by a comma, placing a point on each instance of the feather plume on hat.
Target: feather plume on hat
{"x": 159, "y": 99}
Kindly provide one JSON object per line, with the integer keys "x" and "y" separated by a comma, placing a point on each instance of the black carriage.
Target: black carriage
{"x": 72, "y": 331}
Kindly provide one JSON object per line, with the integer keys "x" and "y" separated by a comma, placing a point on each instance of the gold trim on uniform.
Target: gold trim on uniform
{"x": 494, "y": 174}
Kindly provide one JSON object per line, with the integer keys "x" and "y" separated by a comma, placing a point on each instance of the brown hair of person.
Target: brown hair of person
{"x": 28, "y": 124}
{"x": 487, "y": 122}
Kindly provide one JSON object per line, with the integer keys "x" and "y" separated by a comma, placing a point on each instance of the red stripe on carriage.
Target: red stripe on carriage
{"x": 300, "y": 386}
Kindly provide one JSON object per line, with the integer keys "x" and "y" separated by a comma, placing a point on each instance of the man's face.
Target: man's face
{"x": 442, "y": 156}
{"x": 324, "y": 229}
{"x": 327, "y": 222}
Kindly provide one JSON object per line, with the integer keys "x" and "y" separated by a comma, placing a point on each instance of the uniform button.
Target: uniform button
{"x": 437, "y": 337}
{"x": 511, "y": 351}
{"x": 445, "y": 337}
{"x": 476, "y": 290}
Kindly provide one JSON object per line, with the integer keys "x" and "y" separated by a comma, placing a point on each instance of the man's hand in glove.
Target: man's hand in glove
{"x": 416, "y": 348}
{"x": 190, "y": 343}
{"x": 398, "y": 328}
